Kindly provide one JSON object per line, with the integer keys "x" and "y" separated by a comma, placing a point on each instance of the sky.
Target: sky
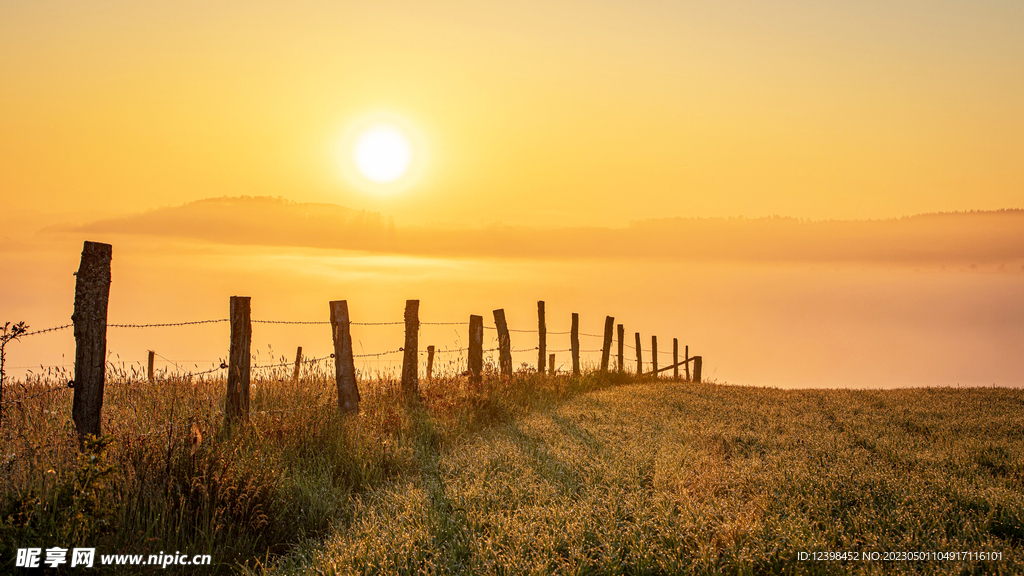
{"x": 534, "y": 113}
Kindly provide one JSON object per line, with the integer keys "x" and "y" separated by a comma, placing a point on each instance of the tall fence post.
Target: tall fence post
{"x": 411, "y": 360}
{"x": 92, "y": 293}
{"x": 149, "y": 367}
{"x": 298, "y": 364}
{"x": 504, "y": 343}
{"x": 551, "y": 364}
{"x": 687, "y": 364}
{"x": 639, "y": 357}
{"x": 344, "y": 361}
{"x": 654, "y": 355}
{"x": 574, "y": 338}
{"x": 430, "y": 362}
{"x": 675, "y": 358}
{"x": 697, "y": 361}
{"x": 606, "y": 349}
{"x": 622, "y": 347}
{"x": 542, "y": 337}
{"x": 239, "y": 357}
{"x": 476, "y": 347}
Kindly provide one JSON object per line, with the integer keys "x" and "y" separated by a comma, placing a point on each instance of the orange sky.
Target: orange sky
{"x": 548, "y": 113}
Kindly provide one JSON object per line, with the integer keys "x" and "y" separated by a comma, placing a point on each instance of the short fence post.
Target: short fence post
{"x": 298, "y": 364}
{"x": 696, "y": 368}
{"x": 344, "y": 361}
{"x": 639, "y": 357}
{"x": 430, "y": 362}
{"x": 551, "y": 364}
{"x": 411, "y": 361}
{"x": 92, "y": 293}
{"x": 654, "y": 356}
{"x": 687, "y": 363}
{"x": 606, "y": 348}
{"x": 622, "y": 347}
{"x": 542, "y": 337}
{"x": 574, "y": 337}
{"x": 149, "y": 366}
{"x": 239, "y": 357}
{"x": 675, "y": 358}
{"x": 504, "y": 343}
{"x": 476, "y": 347}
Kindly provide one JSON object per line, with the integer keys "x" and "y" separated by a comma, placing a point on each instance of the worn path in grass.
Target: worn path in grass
{"x": 672, "y": 478}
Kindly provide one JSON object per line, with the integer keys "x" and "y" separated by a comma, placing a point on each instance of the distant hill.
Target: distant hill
{"x": 988, "y": 236}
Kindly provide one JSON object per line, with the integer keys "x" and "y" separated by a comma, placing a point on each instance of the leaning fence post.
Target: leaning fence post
{"x": 697, "y": 360}
{"x": 298, "y": 364}
{"x": 687, "y": 362}
{"x": 504, "y": 343}
{"x": 574, "y": 337}
{"x": 622, "y": 346}
{"x": 149, "y": 366}
{"x": 411, "y": 361}
{"x": 551, "y": 364}
{"x": 92, "y": 292}
{"x": 430, "y": 362}
{"x": 542, "y": 337}
{"x": 639, "y": 357}
{"x": 344, "y": 361}
{"x": 476, "y": 347}
{"x": 239, "y": 357}
{"x": 654, "y": 355}
{"x": 675, "y": 358}
{"x": 606, "y": 348}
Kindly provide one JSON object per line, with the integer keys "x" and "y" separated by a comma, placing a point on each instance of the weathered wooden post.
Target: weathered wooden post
{"x": 411, "y": 360}
{"x": 639, "y": 357}
{"x": 430, "y": 362}
{"x": 504, "y": 343}
{"x": 654, "y": 355}
{"x": 697, "y": 361}
{"x": 344, "y": 361}
{"x": 92, "y": 293}
{"x": 298, "y": 364}
{"x": 606, "y": 349}
{"x": 687, "y": 364}
{"x": 574, "y": 340}
{"x": 675, "y": 358}
{"x": 542, "y": 337}
{"x": 476, "y": 347}
{"x": 622, "y": 347}
{"x": 149, "y": 366}
{"x": 239, "y": 357}
{"x": 551, "y": 364}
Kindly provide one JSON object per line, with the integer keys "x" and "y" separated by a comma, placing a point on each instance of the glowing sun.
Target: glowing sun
{"x": 382, "y": 153}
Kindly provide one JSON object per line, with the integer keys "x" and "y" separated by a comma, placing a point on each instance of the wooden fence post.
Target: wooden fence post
{"x": 675, "y": 358}
{"x": 542, "y": 338}
{"x": 639, "y": 357}
{"x": 687, "y": 364}
{"x": 654, "y": 355}
{"x": 239, "y": 357}
{"x": 551, "y": 364}
{"x": 697, "y": 360}
{"x": 430, "y": 362}
{"x": 92, "y": 293}
{"x": 411, "y": 360}
{"x": 149, "y": 366}
{"x": 476, "y": 347}
{"x": 606, "y": 349}
{"x": 344, "y": 361}
{"x": 622, "y": 347}
{"x": 574, "y": 338}
{"x": 298, "y": 364}
{"x": 504, "y": 343}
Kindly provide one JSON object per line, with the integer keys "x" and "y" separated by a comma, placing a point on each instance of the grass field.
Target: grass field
{"x": 595, "y": 475}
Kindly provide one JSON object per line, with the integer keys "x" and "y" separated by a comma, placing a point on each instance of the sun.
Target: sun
{"x": 382, "y": 153}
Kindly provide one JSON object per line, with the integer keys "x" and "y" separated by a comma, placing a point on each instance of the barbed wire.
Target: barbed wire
{"x": 377, "y": 323}
{"x": 289, "y": 322}
{"x": 378, "y": 354}
{"x": 45, "y": 330}
{"x": 166, "y": 324}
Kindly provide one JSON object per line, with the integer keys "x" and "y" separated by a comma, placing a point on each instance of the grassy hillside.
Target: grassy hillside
{"x": 662, "y": 478}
